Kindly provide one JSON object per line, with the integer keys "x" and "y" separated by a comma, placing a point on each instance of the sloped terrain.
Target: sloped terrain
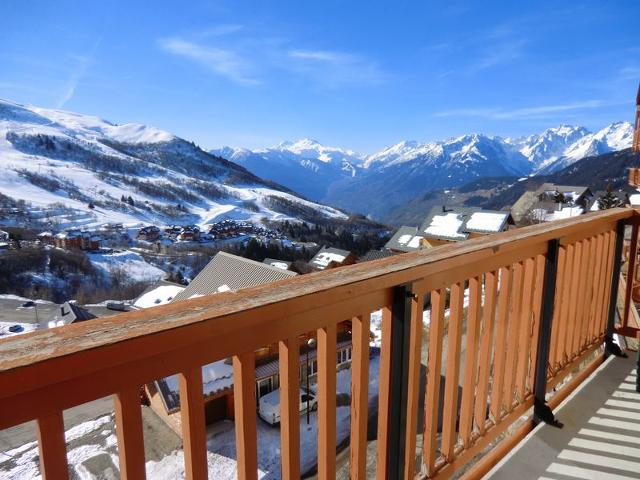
{"x": 69, "y": 169}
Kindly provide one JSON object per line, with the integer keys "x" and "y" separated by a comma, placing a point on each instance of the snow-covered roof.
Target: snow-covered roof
{"x": 406, "y": 239}
{"x": 282, "y": 264}
{"x": 457, "y": 223}
{"x": 487, "y": 221}
{"x": 159, "y": 294}
{"x": 327, "y": 255}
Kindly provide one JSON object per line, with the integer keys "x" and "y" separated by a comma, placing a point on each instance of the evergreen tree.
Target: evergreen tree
{"x": 130, "y": 201}
{"x": 91, "y": 205}
{"x": 608, "y": 200}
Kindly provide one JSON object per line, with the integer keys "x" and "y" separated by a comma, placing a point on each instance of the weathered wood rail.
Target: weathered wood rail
{"x": 488, "y": 300}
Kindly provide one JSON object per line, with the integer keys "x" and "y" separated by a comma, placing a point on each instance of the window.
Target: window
{"x": 344, "y": 356}
{"x": 264, "y": 386}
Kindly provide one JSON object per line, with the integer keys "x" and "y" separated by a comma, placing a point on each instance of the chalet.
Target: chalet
{"x": 329, "y": 257}
{"x": 149, "y": 233}
{"x": 173, "y": 231}
{"x": 46, "y": 238}
{"x": 444, "y": 225}
{"x": 621, "y": 196}
{"x": 66, "y": 314}
{"x": 282, "y": 264}
{"x": 159, "y": 293}
{"x": 81, "y": 240}
{"x": 406, "y": 239}
{"x": 189, "y": 233}
{"x": 228, "y": 272}
{"x": 552, "y": 202}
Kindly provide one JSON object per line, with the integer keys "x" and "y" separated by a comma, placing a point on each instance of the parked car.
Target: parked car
{"x": 29, "y": 303}
{"x": 269, "y": 405}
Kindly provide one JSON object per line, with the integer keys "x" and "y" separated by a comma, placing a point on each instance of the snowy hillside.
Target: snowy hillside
{"x": 73, "y": 169}
{"x": 304, "y": 165}
{"x": 372, "y": 184}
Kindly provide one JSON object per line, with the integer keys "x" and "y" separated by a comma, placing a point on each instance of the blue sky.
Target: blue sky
{"x": 361, "y": 75}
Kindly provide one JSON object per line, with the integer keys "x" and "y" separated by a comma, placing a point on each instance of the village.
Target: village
{"x": 226, "y": 272}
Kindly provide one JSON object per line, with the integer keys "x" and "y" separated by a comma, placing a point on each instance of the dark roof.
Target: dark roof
{"x": 461, "y": 221}
{"x": 404, "y": 240}
{"x": 375, "y": 255}
{"x": 621, "y": 195}
{"x": 552, "y": 187}
{"x": 68, "y": 313}
{"x": 327, "y": 255}
{"x": 232, "y": 272}
{"x": 274, "y": 263}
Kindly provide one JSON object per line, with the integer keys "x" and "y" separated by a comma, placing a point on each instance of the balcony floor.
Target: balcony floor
{"x": 600, "y": 438}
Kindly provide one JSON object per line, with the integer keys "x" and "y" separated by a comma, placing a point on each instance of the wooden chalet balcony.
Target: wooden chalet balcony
{"x": 513, "y": 317}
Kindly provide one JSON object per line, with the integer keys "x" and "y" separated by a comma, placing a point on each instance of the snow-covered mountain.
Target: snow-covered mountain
{"x": 304, "y": 165}
{"x": 78, "y": 169}
{"x": 373, "y": 183}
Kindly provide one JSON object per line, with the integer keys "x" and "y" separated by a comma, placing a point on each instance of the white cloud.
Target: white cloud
{"x": 335, "y": 69}
{"x": 521, "y": 113}
{"x": 83, "y": 62}
{"x": 224, "y": 62}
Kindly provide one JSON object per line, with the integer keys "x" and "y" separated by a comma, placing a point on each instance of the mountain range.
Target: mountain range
{"x": 67, "y": 169}
{"x": 376, "y": 183}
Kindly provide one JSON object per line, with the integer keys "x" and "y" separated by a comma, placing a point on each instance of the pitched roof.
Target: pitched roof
{"x": 229, "y": 272}
{"x": 375, "y": 255}
{"x": 406, "y": 239}
{"x": 327, "y": 255}
{"x": 159, "y": 293}
{"x": 577, "y": 190}
{"x": 622, "y": 196}
{"x": 67, "y": 313}
{"x": 456, "y": 224}
{"x": 274, "y": 262}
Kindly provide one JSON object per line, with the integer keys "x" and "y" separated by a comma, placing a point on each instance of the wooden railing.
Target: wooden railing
{"x": 510, "y": 317}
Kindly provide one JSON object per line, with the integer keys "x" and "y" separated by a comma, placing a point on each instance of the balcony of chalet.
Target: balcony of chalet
{"x": 487, "y": 347}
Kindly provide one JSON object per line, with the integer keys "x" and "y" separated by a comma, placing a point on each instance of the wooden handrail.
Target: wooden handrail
{"x": 496, "y": 327}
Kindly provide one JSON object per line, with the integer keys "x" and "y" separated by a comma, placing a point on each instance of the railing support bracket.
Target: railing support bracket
{"x": 612, "y": 348}
{"x": 543, "y": 413}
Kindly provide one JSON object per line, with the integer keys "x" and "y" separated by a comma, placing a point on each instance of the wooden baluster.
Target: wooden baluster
{"x": 580, "y": 294}
{"x": 193, "y": 427}
{"x": 450, "y": 411}
{"x": 602, "y": 307}
{"x": 588, "y": 295}
{"x": 607, "y": 286}
{"x": 382, "y": 461}
{"x": 413, "y": 388}
{"x": 327, "y": 402}
{"x": 631, "y": 272}
{"x": 289, "y": 369}
{"x": 514, "y": 330}
{"x": 244, "y": 401}
{"x": 129, "y": 433}
{"x": 434, "y": 368}
{"x": 52, "y": 447}
{"x": 567, "y": 298}
{"x": 596, "y": 288}
{"x": 526, "y": 328}
{"x": 500, "y": 348}
{"x": 541, "y": 261}
{"x": 471, "y": 360}
{"x": 486, "y": 343}
{"x": 573, "y": 302}
{"x": 560, "y": 294}
{"x": 359, "y": 396}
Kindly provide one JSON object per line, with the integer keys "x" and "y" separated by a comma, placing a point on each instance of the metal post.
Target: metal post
{"x": 638, "y": 366}
{"x": 541, "y": 411}
{"x": 612, "y": 348}
{"x": 400, "y": 331}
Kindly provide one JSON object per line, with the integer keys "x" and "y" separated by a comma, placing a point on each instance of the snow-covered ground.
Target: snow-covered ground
{"x": 59, "y": 162}
{"x": 99, "y": 440}
{"x": 131, "y": 264}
